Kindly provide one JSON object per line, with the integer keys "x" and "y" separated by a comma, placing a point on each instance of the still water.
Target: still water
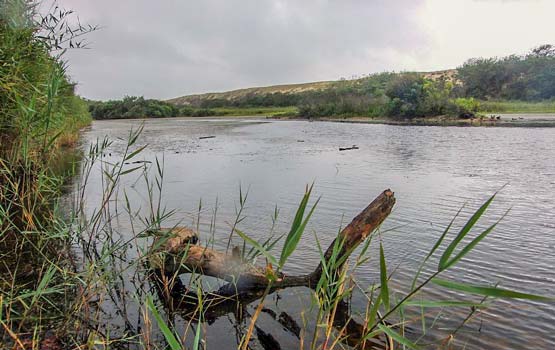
{"x": 433, "y": 171}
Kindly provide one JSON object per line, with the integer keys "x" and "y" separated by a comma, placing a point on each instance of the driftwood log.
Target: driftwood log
{"x": 181, "y": 255}
{"x": 174, "y": 252}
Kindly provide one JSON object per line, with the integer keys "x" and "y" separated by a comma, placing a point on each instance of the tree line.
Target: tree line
{"x": 138, "y": 107}
{"x": 528, "y": 77}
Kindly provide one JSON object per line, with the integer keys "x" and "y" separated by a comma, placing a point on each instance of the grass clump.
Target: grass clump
{"x": 40, "y": 115}
{"x": 517, "y": 106}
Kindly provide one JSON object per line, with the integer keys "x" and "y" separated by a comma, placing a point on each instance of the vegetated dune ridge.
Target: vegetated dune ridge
{"x": 196, "y": 99}
{"x": 234, "y": 94}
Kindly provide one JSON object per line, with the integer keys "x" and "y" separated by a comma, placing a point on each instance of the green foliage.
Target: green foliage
{"x": 36, "y": 97}
{"x": 411, "y": 95}
{"x": 405, "y": 95}
{"x": 406, "y": 92}
{"x": 132, "y": 107}
{"x": 39, "y": 113}
{"x": 529, "y": 77}
{"x": 138, "y": 107}
{"x": 444, "y": 262}
{"x": 466, "y": 106}
{"x": 490, "y": 291}
{"x": 171, "y": 338}
{"x": 500, "y": 106}
{"x": 399, "y": 95}
{"x": 293, "y": 237}
{"x": 376, "y": 326}
{"x": 259, "y": 111}
{"x": 384, "y": 289}
{"x": 297, "y": 227}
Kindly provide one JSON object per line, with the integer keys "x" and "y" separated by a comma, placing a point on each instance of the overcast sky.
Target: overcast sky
{"x": 164, "y": 49}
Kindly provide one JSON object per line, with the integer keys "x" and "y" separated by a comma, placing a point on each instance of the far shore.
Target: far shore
{"x": 489, "y": 120}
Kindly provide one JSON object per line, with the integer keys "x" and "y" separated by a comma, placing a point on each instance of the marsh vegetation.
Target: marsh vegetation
{"x": 88, "y": 257}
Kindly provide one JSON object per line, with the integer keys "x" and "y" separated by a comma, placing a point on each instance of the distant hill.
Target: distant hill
{"x": 240, "y": 93}
{"x": 198, "y": 99}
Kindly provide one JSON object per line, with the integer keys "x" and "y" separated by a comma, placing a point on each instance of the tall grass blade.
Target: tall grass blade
{"x": 434, "y": 248}
{"x": 489, "y": 291}
{"x": 464, "y": 231}
{"x": 471, "y": 245}
{"x": 297, "y": 228}
{"x": 398, "y": 337}
{"x": 257, "y": 246}
{"x": 384, "y": 289}
{"x": 168, "y": 334}
{"x": 134, "y": 153}
{"x": 443, "y": 303}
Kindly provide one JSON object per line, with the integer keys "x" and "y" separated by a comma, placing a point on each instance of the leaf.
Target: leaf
{"x": 131, "y": 170}
{"x": 444, "y": 303}
{"x": 134, "y": 153}
{"x": 489, "y": 291}
{"x": 384, "y": 289}
{"x": 196, "y": 341}
{"x": 464, "y": 231}
{"x": 434, "y": 248}
{"x": 472, "y": 244}
{"x": 374, "y": 311}
{"x": 134, "y": 135}
{"x": 398, "y": 337}
{"x": 53, "y": 139}
{"x": 257, "y": 246}
{"x": 297, "y": 228}
{"x": 168, "y": 334}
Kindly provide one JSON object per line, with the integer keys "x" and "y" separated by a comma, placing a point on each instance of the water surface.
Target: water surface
{"x": 433, "y": 171}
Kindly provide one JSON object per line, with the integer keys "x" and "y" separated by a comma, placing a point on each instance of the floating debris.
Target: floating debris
{"x": 348, "y": 148}
{"x": 206, "y": 137}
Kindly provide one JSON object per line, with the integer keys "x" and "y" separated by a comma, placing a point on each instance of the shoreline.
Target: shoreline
{"x": 438, "y": 121}
{"x": 506, "y": 120}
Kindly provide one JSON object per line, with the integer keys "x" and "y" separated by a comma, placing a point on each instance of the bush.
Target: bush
{"x": 529, "y": 77}
{"x": 132, "y": 107}
{"x": 465, "y": 107}
{"x": 406, "y": 92}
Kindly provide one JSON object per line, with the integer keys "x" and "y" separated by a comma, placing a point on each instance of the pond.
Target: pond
{"x": 434, "y": 171}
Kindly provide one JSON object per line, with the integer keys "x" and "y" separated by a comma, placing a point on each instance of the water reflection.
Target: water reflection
{"x": 433, "y": 170}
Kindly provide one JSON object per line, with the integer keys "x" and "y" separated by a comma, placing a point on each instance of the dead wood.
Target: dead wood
{"x": 180, "y": 255}
{"x": 175, "y": 252}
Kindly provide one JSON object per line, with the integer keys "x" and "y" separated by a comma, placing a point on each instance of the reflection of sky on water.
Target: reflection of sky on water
{"x": 433, "y": 171}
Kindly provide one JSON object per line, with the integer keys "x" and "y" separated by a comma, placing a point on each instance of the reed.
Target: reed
{"x": 83, "y": 276}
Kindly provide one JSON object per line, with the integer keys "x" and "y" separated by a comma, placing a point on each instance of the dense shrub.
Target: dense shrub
{"x": 406, "y": 93}
{"x": 132, "y": 107}
{"x": 466, "y": 106}
{"x": 530, "y": 77}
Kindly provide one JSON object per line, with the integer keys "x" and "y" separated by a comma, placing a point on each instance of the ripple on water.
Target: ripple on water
{"x": 435, "y": 171}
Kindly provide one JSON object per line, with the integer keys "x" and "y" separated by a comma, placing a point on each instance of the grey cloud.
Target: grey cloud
{"x": 169, "y": 48}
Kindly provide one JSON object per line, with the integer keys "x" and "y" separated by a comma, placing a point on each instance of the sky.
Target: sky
{"x": 169, "y": 48}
